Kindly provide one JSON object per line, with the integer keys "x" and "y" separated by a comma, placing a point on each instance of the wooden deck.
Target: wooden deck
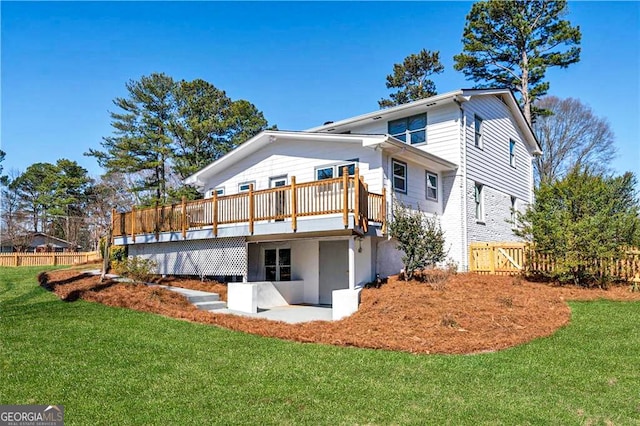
{"x": 346, "y": 195}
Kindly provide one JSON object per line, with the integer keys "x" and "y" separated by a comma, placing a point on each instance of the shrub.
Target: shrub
{"x": 420, "y": 238}
{"x": 136, "y": 268}
{"x": 581, "y": 221}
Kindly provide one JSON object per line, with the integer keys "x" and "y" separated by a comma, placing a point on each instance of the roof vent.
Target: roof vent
{"x": 327, "y": 122}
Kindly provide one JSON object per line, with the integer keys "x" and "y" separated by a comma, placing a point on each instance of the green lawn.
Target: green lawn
{"x": 114, "y": 366}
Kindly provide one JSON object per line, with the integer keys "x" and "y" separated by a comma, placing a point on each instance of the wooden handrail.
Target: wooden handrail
{"x": 342, "y": 195}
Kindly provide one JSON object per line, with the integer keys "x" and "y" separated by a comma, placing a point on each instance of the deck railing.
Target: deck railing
{"x": 342, "y": 195}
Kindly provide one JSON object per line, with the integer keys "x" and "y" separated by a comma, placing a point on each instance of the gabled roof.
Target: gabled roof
{"x": 32, "y": 235}
{"x": 460, "y": 96}
{"x": 266, "y": 137}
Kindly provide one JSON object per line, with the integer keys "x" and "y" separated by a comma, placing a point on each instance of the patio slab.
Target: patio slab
{"x": 291, "y": 314}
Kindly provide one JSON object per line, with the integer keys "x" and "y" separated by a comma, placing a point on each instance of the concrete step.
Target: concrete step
{"x": 210, "y": 306}
{"x": 212, "y": 297}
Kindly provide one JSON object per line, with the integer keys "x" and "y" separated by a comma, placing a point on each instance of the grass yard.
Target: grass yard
{"x": 116, "y": 366}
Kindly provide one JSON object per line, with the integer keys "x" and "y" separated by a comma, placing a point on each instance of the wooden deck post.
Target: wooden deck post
{"x": 356, "y": 198}
{"x": 294, "y": 205}
{"x": 215, "y": 213}
{"x": 251, "y": 208}
{"x": 113, "y": 224}
{"x": 345, "y": 196}
{"x": 184, "y": 217}
{"x": 133, "y": 223}
{"x": 156, "y": 224}
{"x": 383, "y": 212}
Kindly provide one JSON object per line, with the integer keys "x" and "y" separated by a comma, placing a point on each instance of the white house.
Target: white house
{"x": 305, "y": 213}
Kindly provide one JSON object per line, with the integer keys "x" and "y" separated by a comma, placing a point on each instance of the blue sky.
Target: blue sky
{"x": 300, "y": 63}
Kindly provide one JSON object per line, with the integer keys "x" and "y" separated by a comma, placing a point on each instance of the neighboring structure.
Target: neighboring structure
{"x": 276, "y": 209}
{"x": 36, "y": 242}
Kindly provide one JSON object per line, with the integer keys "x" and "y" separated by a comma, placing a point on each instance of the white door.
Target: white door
{"x": 334, "y": 268}
{"x": 279, "y": 198}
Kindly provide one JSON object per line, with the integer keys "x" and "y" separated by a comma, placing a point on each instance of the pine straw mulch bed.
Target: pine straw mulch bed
{"x": 469, "y": 314}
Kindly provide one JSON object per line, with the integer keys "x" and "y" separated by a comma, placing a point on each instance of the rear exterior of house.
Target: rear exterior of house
{"x": 305, "y": 213}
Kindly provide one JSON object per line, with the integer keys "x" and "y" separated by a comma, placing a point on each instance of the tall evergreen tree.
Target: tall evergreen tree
{"x": 411, "y": 78}
{"x": 167, "y": 130}
{"x": 142, "y": 141}
{"x": 512, "y": 43}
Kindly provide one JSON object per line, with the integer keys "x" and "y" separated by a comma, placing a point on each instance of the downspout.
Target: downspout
{"x": 463, "y": 164}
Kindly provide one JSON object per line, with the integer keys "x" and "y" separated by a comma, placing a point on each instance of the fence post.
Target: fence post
{"x": 294, "y": 205}
{"x": 251, "y": 208}
{"x": 492, "y": 265}
{"x": 345, "y": 196}
{"x": 15, "y": 260}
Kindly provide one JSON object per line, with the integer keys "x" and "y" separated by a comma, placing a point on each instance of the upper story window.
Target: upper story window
{"x": 400, "y": 176}
{"x": 336, "y": 170}
{"x": 432, "y": 186}
{"x": 245, "y": 186}
{"x": 410, "y": 129}
{"x": 479, "y": 201}
{"x": 217, "y": 191}
{"x": 512, "y": 153}
{"x": 478, "y": 131}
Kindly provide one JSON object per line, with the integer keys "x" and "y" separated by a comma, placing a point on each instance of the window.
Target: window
{"x": 336, "y": 170}
{"x": 277, "y": 264}
{"x": 478, "y": 129}
{"x": 432, "y": 186}
{"x": 400, "y": 176}
{"x": 512, "y": 153}
{"x": 217, "y": 191}
{"x": 244, "y": 187}
{"x": 410, "y": 130}
{"x": 479, "y": 200}
{"x": 514, "y": 208}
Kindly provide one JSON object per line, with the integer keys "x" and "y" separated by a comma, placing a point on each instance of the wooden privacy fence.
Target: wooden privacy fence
{"x": 47, "y": 259}
{"x": 514, "y": 258}
{"x": 342, "y": 195}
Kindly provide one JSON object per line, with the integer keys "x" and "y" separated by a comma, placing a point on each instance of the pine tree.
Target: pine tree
{"x": 411, "y": 77}
{"x": 512, "y": 43}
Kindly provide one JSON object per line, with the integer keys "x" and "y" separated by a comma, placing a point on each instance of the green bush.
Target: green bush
{"x": 581, "y": 222}
{"x": 136, "y": 268}
{"x": 117, "y": 253}
{"x": 420, "y": 238}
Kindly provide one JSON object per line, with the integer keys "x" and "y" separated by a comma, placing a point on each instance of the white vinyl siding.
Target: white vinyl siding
{"x": 301, "y": 159}
{"x": 492, "y": 165}
{"x": 443, "y": 128}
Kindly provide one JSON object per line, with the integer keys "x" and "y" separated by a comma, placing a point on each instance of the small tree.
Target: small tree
{"x": 420, "y": 238}
{"x": 581, "y": 220}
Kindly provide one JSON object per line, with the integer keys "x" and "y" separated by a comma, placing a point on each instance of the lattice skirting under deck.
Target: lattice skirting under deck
{"x": 220, "y": 257}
